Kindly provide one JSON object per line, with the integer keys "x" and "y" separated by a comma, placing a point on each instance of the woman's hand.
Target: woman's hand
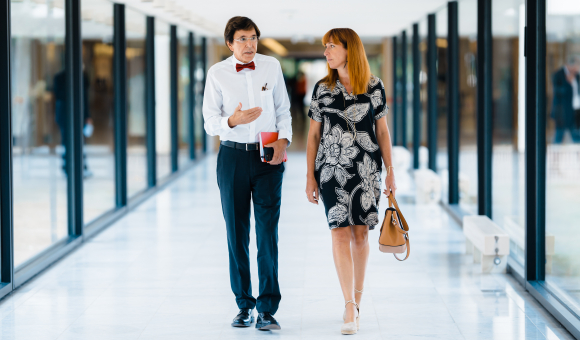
{"x": 390, "y": 183}
{"x": 312, "y": 190}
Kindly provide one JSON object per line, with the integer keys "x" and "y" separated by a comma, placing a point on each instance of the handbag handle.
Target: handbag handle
{"x": 403, "y": 222}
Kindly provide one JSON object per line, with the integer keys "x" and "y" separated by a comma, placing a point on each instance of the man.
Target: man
{"x": 253, "y": 82}
{"x": 59, "y": 90}
{"x": 566, "y": 104}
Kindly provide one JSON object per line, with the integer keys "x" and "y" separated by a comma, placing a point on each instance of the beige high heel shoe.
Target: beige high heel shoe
{"x": 350, "y": 327}
{"x": 357, "y": 309}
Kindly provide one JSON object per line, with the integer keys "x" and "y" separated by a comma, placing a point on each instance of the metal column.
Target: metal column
{"x": 404, "y": 89}
{"x": 535, "y": 162}
{"x": 75, "y": 118}
{"x": 484, "y": 108}
{"x": 6, "y": 212}
{"x": 150, "y": 102}
{"x": 416, "y": 97}
{"x": 432, "y": 92}
{"x": 453, "y": 100}
{"x": 120, "y": 100}
{"x": 173, "y": 97}
{"x": 191, "y": 95}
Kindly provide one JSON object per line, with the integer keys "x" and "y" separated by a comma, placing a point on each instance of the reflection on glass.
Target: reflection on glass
{"x": 136, "y": 132}
{"x": 162, "y": 99}
{"x": 442, "y": 155}
{"x": 508, "y": 129}
{"x": 468, "y": 105}
{"x": 563, "y": 152}
{"x": 99, "y": 133}
{"x": 183, "y": 98}
{"x": 39, "y": 182}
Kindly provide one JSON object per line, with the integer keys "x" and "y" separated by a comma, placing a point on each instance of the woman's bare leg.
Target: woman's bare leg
{"x": 341, "y": 239}
{"x": 360, "y": 256}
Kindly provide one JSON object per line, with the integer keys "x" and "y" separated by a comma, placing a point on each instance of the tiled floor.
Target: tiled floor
{"x": 162, "y": 273}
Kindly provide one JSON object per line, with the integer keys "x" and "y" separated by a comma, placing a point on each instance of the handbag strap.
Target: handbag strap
{"x": 393, "y": 202}
{"x": 403, "y": 222}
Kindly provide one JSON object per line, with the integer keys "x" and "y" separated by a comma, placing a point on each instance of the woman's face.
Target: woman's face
{"x": 335, "y": 54}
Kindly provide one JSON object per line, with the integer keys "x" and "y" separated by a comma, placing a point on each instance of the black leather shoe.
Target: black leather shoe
{"x": 244, "y": 318}
{"x": 266, "y": 322}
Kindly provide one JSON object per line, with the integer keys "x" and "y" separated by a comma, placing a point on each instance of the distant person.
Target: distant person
{"x": 299, "y": 94}
{"x": 347, "y": 143}
{"x": 254, "y": 83}
{"x": 566, "y": 104}
{"x": 60, "y": 92}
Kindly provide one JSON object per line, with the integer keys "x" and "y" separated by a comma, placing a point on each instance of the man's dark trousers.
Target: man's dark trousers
{"x": 243, "y": 177}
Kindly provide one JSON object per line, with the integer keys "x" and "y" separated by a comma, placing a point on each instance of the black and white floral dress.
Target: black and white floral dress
{"x": 348, "y": 164}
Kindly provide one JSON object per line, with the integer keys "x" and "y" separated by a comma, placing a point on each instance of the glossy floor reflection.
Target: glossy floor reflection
{"x": 162, "y": 273}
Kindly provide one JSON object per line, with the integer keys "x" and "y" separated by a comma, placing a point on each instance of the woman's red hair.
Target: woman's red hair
{"x": 359, "y": 71}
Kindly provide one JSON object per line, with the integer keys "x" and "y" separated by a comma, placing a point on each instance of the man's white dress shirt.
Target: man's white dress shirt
{"x": 575, "y": 93}
{"x": 226, "y": 88}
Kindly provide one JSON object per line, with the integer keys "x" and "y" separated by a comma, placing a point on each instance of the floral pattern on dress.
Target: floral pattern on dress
{"x": 348, "y": 161}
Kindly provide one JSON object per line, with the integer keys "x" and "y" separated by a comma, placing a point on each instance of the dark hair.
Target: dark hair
{"x": 239, "y": 24}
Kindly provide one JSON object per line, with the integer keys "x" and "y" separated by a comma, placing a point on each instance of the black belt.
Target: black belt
{"x": 241, "y": 146}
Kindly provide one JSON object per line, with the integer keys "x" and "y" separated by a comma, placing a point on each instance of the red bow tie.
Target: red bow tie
{"x": 240, "y": 67}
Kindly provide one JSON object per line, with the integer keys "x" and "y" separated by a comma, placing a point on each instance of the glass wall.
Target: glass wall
{"x": 38, "y": 120}
{"x": 183, "y": 98}
{"x": 563, "y": 151}
{"x": 442, "y": 155}
{"x": 508, "y": 128}
{"x": 409, "y": 88}
{"x": 199, "y": 87}
{"x": 468, "y": 105}
{"x": 162, "y": 99}
{"x": 135, "y": 24}
{"x": 98, "y": 112}
{"x": 423, "y": 31}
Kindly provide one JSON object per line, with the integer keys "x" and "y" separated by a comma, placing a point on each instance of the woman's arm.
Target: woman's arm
{"x": 384, "y": 140}
{"x": 311, "y": 151}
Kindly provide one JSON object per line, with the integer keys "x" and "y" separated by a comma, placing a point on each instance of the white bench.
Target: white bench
{"x": 517, "y": 236}
{"x": 488, "y": 243}
{"x": 427, "y": 186}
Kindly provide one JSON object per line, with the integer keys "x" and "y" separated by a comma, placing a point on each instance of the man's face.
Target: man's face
{"x": 574, "y": 68}
{"x": 244, "y": 51}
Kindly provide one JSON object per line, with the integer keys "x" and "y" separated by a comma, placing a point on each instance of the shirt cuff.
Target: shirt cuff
{"x": 225, "y": 126}
{"x": 285, "y": 134}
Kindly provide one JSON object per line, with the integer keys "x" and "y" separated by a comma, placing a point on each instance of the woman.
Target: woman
{"x": 348, "y": 137}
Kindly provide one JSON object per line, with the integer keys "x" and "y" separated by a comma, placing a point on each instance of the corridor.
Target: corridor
{"x": 161, "y": 272}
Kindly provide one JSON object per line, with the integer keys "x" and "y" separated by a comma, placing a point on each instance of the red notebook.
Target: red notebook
{"x": 267, "y": 138}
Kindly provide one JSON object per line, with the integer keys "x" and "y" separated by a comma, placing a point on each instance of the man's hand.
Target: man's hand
{"x": 244, "y": 117}
{"x": 570, "y": 77}
{"x": 279, "y": 150}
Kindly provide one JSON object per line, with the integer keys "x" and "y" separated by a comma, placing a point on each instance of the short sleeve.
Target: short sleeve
{"x": 380, "y": 98}
{"x": 314, "y": 112}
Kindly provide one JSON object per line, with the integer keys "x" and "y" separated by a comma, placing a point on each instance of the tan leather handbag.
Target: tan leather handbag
{"x": 394, "y": 237}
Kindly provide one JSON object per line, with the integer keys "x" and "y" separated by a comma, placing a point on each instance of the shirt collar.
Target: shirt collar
{"x": 236, "y": 61}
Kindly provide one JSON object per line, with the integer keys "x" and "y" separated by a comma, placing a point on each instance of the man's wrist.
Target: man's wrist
{"x": 231, "y": 123}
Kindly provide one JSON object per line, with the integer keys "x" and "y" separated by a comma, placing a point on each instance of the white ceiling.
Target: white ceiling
{"x": 298, "y": 19}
